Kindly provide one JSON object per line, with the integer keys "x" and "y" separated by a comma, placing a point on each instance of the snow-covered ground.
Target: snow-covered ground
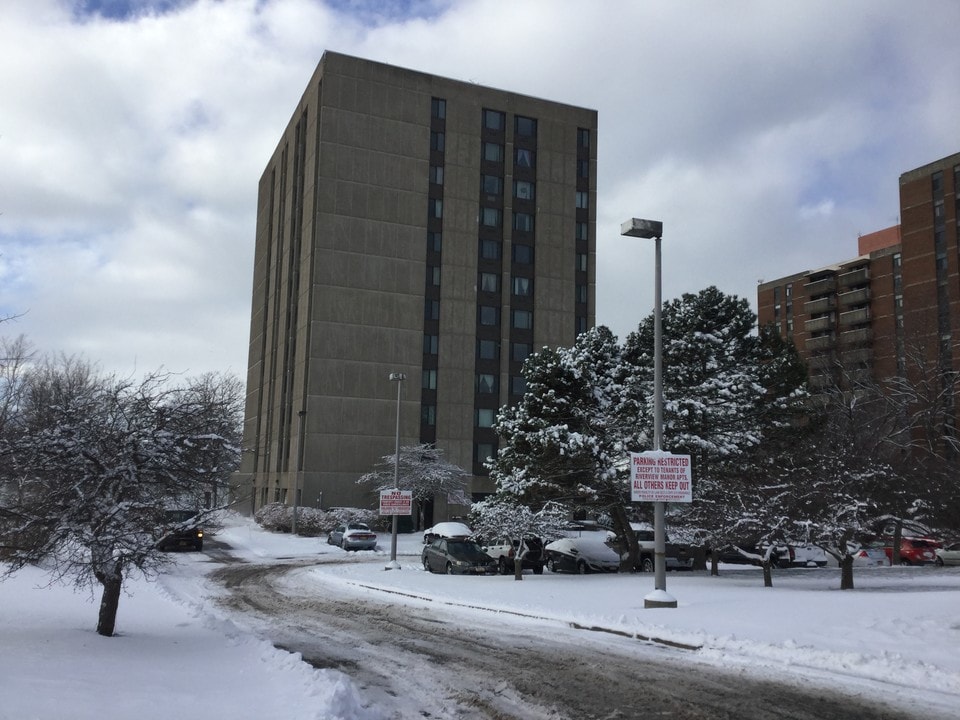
{"x": 895, "y": 637}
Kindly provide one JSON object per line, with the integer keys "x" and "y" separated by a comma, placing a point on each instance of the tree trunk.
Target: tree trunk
{"x": 518, "y": 568}
{"x": 846, "y": 573}
{"x": 897, "y": 541}
{"x": 109, "y": 601}
{"x": 621, "y": 524}
{"x": 714, "y": 563}
{"x": 767, "y": 573}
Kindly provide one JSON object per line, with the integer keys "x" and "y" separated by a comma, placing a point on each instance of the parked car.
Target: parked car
{"x": 180, "y": 531}
{"x": 949, "y": 555}
{"x": 914, "y": 550}
{"x": 456, "y": 556}
{"x": 808, "y": 556}
{"x": 504, "y": 551}
{"x": 581, "y": 555}
{"x": 748, "y": 554}
{"x": 446, "y": 530}
{"x": 870, "y": 555}
{"x": 678, "y": 557}
{"x": 353, "y": 536}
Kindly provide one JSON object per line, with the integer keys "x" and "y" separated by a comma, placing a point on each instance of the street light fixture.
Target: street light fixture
{"x": 398, "y": 378}
{"x": 653, "y": 229}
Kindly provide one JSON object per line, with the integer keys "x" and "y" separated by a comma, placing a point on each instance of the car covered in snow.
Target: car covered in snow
{"x": 446, "y": 530}
{"x": 581, "y": 555}
{"x": 353, "y": 536}
{"x": 677, "y": 556}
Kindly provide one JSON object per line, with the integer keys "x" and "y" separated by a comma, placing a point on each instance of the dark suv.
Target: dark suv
{"x": 179, "y": 531}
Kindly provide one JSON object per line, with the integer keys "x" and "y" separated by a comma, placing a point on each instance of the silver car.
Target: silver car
{"x": 353, "y": 536}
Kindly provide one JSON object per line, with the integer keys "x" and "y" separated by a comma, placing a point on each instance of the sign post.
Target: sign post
{"x": 395, "y": 502}
{"x": 658, "y": 476}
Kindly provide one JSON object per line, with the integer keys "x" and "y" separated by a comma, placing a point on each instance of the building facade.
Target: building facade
{"x": 411, "y": 224}
{"x": 894, "y": 305}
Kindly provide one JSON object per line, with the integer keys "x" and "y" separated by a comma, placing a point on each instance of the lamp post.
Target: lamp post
{"x": 398, "y": 378}
{"x": 653, "y": 229}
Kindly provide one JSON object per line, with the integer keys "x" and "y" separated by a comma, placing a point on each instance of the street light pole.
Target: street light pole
{"x": 398, "y": 378}
{"x": 653, "y": 229}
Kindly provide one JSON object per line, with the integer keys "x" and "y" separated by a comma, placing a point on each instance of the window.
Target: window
{"x": 937, "y": 182}
{"x": 524, "y": 158}
{"x": 490, "y": 249}
{"x": 485, "y": 451}
{"x": 581, "y": 324}
{"x": 523, "y": 190}
{"x": 485, "y": 417}
{"x": 437, "y": 141}
{"x": 518, "y": 385}
{"x": 430, "y": 344}
{"x": 583, "y": 168}
{"x": 436, "y": 174}
{"x": 520, "y": 351}
{"x": 523, "y": 222}
{"x": 438, "y": 108}
{"x": 493, "y": 120}
{"x": 436, "y": 207}
{"x": 488, "y": 349}
{"x": 488, "y": 315}
{"x": 583, "y": 137}
{"x": 493, "y": 152}
{"x": 523, "y": 254}
{"x": 582, "y": 294}
{"x": 492, "y": 184}
{"x": 490, "y": 217}
{"x": 581, "y": 231}
{"x": 433, "y": 275}
{"x": 431, "y": 309}
{"x": 526, "y": 126}
{"x": 522, "y": 319}
{"x": 583, "y": 199}
{"x": 434, "y": 241}
{"x": 486, "y": 383}
{"x": 582, "y": 262}
{"x": 428, "y": 415}
{"x": 523, "y": 286}
{"x": 490, "y": 282}
{"x": 429, "y": 379}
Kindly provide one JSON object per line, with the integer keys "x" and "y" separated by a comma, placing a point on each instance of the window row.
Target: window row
{"x": 489, "y": 316}
{"x": 489, "y": 282}
{"x": 490, "y": 350}
{"x": 522, "y": 254}
{"x": 486, "y": 383}
{"x": 493, "y": 152}
{"x": 493, "y": 185}
{"x": 493, "y": 217}
{"x": 495, "y": 121}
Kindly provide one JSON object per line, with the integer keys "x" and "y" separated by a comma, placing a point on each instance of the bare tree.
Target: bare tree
{"x": 501, "y": 515}
{"x": 97, "y": 460}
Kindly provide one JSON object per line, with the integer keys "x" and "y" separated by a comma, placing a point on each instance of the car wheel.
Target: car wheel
{"x": 938, "y": 562}
{"x": 504, "y": 568}
{"x": 343, "y": 543}
{"x": 449, "y": 569}
{"x": 646, "y": 564}
{"x": 426, "y": 565}
{"x": 538, "y": 569}
{"x": 582, "y": 567}
{"x": 904, "y": 562}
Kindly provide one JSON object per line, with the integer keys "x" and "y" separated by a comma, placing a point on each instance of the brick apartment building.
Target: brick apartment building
{"x": 414, "y": 224}
{"x": 900, "y": 295}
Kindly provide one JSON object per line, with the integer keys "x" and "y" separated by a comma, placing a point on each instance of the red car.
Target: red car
{"x": 914, "y": 551}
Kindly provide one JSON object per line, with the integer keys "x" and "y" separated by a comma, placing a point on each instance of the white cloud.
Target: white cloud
{"x": 765, "y": 136}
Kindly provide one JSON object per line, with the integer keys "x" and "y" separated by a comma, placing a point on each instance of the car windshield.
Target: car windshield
{"x": 357, "y": 526}
{"x": 465, "y": 550}
{"x": 178, "y": 516}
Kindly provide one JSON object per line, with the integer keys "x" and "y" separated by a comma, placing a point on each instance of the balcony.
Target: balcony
{"x": 854, "y": 297}
{"x": 819, "y": 306}
{"x": 861, "y": 356}
{"x": 820, "y": 362}
{"x": 822, "y": 342}
{"x": 855, "y": 317}
{"x": 818, "y": 324}
{"x": 821, "y": 286}
{"x": 855, "y": 338}
{"x": 859, "y": 276}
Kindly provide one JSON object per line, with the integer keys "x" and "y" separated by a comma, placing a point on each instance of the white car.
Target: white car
{"x": 455, "y": 530}
{"x": 872, "y": 555}
{"x": 809, "y": 556}
{"x": 949, "y": 555}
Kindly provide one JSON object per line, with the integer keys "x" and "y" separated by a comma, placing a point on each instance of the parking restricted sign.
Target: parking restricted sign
{"x": 657, "y": 476}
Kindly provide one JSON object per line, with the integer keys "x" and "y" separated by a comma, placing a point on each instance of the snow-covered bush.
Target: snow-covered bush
{"x": 312, "y": 522}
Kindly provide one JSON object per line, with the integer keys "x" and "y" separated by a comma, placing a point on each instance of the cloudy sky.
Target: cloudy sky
{"x": 766, "y": 136}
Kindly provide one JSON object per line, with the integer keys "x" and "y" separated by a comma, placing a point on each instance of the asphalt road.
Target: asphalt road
{"x": 437, "y": 663}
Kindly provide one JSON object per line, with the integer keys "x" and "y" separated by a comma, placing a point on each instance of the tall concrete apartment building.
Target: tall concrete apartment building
{"x": 872, "y": 314}
{"x": 413, "y": 224}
